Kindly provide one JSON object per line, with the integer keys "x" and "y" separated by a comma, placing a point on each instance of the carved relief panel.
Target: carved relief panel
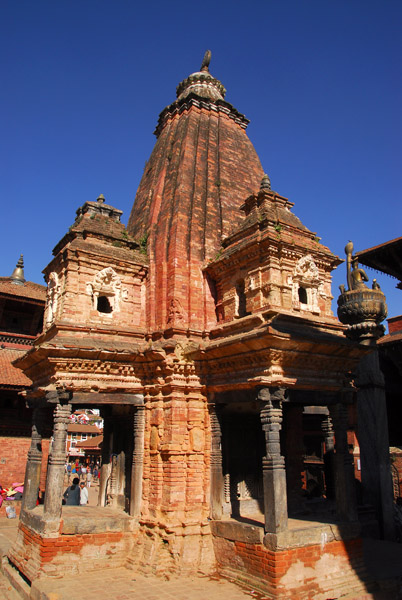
{"x": 306, "y": 283}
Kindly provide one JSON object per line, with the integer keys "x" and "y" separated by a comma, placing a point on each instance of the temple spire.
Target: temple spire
{"x": 17, "y": 275}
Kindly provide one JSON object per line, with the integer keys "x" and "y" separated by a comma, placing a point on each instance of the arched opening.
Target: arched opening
{"x": 103, "y": 305}
{"x": 302, "y": 292}
{"x": 241, "y": 299}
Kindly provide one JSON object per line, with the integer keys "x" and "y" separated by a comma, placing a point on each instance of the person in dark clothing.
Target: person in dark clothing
{"x": 72, "y": 493}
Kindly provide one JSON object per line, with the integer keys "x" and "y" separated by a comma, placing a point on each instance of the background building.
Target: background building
{"x": 22, "y": 306}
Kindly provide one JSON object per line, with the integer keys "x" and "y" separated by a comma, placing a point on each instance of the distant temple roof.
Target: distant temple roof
{"x": 16, "y": 285}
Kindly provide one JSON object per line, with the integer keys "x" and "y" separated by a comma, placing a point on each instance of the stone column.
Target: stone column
{"x": 137, "y": 468}
{"x": 329, "y": 456}
{"x": 362, "y": 310}
{"x": 57, "y": 461}
{"x": 345, "y": 487}
{"x": 273, "y": 464}
{"x": 107, "y": 447}
{"x": 217, "y": 486}
{"x": 372, "y": 433}
{"x": 34, "y": 462}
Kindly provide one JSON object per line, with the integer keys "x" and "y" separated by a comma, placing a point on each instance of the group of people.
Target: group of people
{"x": 77, "y": 493}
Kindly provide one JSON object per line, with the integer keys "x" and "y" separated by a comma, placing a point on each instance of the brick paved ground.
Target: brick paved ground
{"x": 122, "y": 584}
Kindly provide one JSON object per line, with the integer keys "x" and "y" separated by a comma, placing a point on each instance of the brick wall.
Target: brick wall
{"x": 13, "y": 458}
{"x": 33, "y": 554}
{"x": 395, "y": 324}
{"x": 315, "y": 571}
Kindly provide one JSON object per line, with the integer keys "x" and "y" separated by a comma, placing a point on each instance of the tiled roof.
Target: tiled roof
{"x": 10, "y": 376}
{"x": 35, "y": 291}
{"x": 90, "y": 442}
{"x": 78, "y": 428}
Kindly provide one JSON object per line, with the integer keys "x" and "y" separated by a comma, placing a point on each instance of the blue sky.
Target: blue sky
{"x": 83, "y": 83}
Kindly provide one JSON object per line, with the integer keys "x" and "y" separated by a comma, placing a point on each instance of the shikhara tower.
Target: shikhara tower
{"x": 188, "y": 200}
{"x": 204, "y": 333}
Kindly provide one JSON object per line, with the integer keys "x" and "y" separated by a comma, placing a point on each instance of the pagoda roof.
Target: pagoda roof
{"x": 26, "y": 290}
{"x": 386, "y": 257}
{"x": 10, "y": 376}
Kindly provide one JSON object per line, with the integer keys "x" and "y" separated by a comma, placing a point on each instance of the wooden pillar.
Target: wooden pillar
{"x": 34, "y": 462}
{"x": 273, "y": 464}
{"x": 57, "y": 461}
{"x": 137, "y": 469}
{"x": 345, "y": 487}
{"x": 216, "y": 463}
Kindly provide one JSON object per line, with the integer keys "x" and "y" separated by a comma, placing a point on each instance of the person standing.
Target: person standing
{"x": 72, "y": 494}
{"x": 68, "y": 473}
{"x": 89, "y": 478}
{"x": 83, "y": 494}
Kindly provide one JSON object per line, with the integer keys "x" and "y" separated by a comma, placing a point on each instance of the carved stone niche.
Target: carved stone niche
{"x": 52, "y": 298}
{"x": 306, "y": 284}
{"x": 106, "y": 292}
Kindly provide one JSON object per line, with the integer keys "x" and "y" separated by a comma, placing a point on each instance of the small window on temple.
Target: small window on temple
{"x": 302, "y": 295}
{"x": 104, "y": 305}
{"x": 241, "y": 299}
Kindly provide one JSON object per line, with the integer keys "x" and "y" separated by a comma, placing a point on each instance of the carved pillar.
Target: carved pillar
{"x": 329, "y": 456}
{"x": 217, "y": 486}
{"x": 345, "y": 488}
{"x": 112, "y": 490}
{"x": 57, "y": 461}
{"x": 273, "y": 464}
{"x": 107, "y": 446}
{"x": 34, "y": 462}
{"x": 137, "y": 468}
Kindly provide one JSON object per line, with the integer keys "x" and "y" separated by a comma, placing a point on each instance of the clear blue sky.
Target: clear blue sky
{"x": 83, "y": 83}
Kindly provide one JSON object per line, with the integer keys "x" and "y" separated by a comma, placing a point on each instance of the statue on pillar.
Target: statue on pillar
{"x": 360, "y": 308}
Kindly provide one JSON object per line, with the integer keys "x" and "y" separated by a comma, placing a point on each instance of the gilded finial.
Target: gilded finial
{"x": 17, "y": 275}
{"x": 100, "y": 198}
{"x": 265, "y": 183}
{"x": 205, "y": 61}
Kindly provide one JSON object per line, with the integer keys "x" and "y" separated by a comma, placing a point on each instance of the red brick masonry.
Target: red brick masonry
{"x": 298, "y": 573}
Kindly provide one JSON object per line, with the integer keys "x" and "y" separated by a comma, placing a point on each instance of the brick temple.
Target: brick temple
{"x": 204, "y": 334}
